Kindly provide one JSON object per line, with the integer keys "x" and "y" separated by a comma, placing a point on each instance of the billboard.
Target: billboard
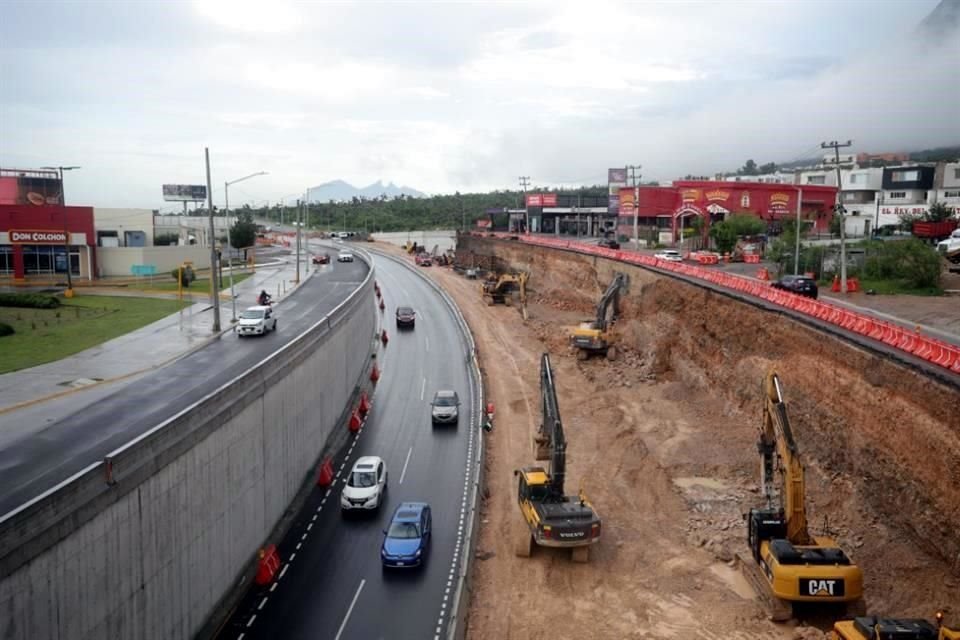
{"x": 184, "y": 192}
{"x": 616, "y": 180}
{"x": 36, "y": 188}
{"x": 541, "y": 199}
{"x": 549, "y": 199}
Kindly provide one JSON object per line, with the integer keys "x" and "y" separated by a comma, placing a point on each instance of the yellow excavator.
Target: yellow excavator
{"x": 550, "y": 518}
{"x": 788, "y": 564}
{"x": 874, "y": 628}
{"x": 500, "y": 289}
{"x": 595, "y": 336}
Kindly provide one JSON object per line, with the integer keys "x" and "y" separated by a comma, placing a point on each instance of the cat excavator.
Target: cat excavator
{"x": 788, "y": 564}
{"x": 594, "y": 336}
{"x": 551, "y": 518}
{"x": 874, "y": 628}
{"x": 500, "y": 289}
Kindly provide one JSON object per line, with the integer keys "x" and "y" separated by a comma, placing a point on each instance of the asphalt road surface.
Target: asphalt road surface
{"x": 42, "y": 459}
{"x": 331, "y": 585}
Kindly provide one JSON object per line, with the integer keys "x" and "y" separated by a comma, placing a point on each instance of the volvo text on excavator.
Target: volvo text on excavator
{"x": 789, "y": 565}
{"x": 550, "y": 518}
{"x": 595, "y": 336}
{"x": 876, "y": 628}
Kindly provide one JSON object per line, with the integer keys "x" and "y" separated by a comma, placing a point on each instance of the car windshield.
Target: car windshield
{"x": 445, "y": 401}
{"x": 251, "y": 314}
{"x": 405, "y": 311}
{"x": 404, "y": 530}
{"x": 362, "y": 479}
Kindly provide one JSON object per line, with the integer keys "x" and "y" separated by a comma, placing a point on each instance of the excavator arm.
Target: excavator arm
{"x": 551, "y": 428}
{"x": 610, "y": 297}
{"x": 777, "y": 439}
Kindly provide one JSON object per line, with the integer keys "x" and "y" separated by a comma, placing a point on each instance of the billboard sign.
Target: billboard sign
{"x": 35, "y": 188}
{"x": 184, "y": 192}
{"x": 19, "y": 236}
{"x": 616, "y": 180}
{"x": 549, "y": 199}
{"x": 534, "y": 200}
{"x": 483, "y": 224}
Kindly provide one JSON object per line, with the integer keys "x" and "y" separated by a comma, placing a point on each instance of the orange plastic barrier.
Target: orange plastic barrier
{"x": 355, "y": 421}
{"x": 268, "y": 565}
{"x": 325, "y": 473}
{"x": 374, "y": 373}
{"x": 763, "y": 274}
{"x": 750, "y": 258}
{"x": 364, "y": 406}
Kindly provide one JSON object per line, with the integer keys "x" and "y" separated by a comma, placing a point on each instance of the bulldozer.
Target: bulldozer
{"x": 549, "y": 517}
{"x": 787, "y": 564}
{"x": 499, "y": 289}
{"x": 875, "y": 628}
{"x": 595, "y": 336}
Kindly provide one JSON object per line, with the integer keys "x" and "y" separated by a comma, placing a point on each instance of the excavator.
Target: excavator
{"x": 788, "y": 564}
{"x": 594, "y": 336}
{"x": 551, "y": 518}
{"x": 498, "y": 290}
{"x": 874, "y": 628}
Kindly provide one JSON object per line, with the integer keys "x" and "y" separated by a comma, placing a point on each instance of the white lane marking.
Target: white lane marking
{"x": 252, "y": 618}
{"x": 299, "y": 544}
{"x": 240, "y": 637}
{"x": 427, "y": 339}
{"x": 262, "y": 602}
{"x": 309, "y": 526}
{"x": 423, "y": 387}
{"x": 349, "y": 611}
{"x": 284, "y": 570}
{"x": 293, "y": 556}
{"x": 405, "y": 463}
{"x": 273, "y": 588}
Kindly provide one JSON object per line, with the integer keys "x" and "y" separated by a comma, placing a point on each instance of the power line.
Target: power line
{"x": 838, "y": 209}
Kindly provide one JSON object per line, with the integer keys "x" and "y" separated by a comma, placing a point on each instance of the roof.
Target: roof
{"x": 409, "y": 511}
{"x": 366, "y": 460}
{"x": 536, "y": 477}
{"x": 446, "y": 393}
{"x": 258, "y": 308}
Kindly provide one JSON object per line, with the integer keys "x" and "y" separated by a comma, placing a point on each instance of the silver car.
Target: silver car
{"x": 445, "y": 408}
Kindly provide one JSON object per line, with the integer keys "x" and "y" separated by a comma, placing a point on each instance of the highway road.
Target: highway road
{"x": 331, "y": 585}
{"x": 41, "y": 459}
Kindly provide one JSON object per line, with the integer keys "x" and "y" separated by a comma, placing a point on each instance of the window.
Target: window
{"x": 956, "y": 173}
{"x": 816, "y": 179}
{"x": 906, "y": 176}
{"x": 856, "y": 178}
{"x": 849, "y": 196}
{"x": 896, "y": 195}
{"x": 951, "y": 194}
{"x": 6, "y": 260}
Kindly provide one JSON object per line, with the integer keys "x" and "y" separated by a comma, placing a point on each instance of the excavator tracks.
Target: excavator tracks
{"x": 777, "y": 609}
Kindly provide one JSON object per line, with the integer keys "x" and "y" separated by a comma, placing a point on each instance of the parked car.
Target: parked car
{"x": 344, "y": 256}
{"x": 256, "y": 321}
{"x": 445, "y": 407}
{"x": 669, "y": 255}
{"x": 609, "y": 243}
{"x": 406, "y": 317}
{"x": 322, "y": 258}
{"x": 801, "y": 285}
{"x": 407, "y": 540}
{"x": 423, "y": 260}
{"x": 365, "y": 485}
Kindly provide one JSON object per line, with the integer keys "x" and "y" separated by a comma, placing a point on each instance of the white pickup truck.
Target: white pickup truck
{"x": 950, "y": 248}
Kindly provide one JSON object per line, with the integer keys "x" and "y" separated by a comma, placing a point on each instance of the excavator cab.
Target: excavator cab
{"x": 878, "y": 628}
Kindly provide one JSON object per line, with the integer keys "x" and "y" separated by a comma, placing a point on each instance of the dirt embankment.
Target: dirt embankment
{"x": 663, "y": 442}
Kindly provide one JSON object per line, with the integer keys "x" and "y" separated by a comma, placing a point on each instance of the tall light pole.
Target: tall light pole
{"x": 636, "y": 206}
{"x": 215, "y": 290}
{"x": 66, "y": 229}
{"x": 524, "y": 183}
{"x": 838, "y": 208}
{"x": 226, "y": 213}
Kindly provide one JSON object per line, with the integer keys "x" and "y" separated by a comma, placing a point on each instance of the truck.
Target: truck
{"x": 934, "y": 231}
{"x": 950, "y": 248}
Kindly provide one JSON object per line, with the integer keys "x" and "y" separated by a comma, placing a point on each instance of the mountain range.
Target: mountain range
{"x": 341, "y": 190}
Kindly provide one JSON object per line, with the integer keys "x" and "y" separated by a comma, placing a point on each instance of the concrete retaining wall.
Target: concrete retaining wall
{"x": 146, "y": 543}
{"x": 116, "y": 261}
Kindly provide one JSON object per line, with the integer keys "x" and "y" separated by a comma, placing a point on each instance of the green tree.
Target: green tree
{"x": 749, "y": 168}
{"x": 725, "y": 233}
{"x": 244, "y": 232}
{"x": 938, "y": 212}
{"x": 770, "y": 167}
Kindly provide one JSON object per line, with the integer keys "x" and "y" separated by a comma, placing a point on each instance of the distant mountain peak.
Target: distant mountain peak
{"x": 342, "y": 190}
{"x": 944, "y": 19}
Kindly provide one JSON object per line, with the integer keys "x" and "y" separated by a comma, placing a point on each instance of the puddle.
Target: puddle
{"x": 733, "y": 579}
{"x": 80, "y": 382}
{"x": 694, "y": 481}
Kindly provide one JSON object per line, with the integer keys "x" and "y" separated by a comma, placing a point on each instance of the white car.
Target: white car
{"x": 256, "y": 321}
{"x": 344, "y": 256}
{"x": 365, "y": 485}
{"x": 669, "y": 255}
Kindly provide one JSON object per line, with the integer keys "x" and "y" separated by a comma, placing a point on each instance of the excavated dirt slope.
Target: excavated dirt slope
{"x": 663, "y": 441}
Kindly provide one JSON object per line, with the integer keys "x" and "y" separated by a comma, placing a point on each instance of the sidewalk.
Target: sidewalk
{"x": 155, "y": 345}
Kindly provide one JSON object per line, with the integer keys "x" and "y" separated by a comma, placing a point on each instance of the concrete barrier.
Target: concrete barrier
{"x": 146, "y": 543}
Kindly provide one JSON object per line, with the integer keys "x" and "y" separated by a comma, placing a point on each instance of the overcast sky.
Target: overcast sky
{"x": 446, "y": 97}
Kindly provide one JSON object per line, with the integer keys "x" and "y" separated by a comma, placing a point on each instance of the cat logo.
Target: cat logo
{"x": 821, "y": 587}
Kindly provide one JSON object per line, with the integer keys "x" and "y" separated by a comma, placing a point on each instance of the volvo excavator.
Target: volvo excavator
{"x": 874, "y": 628}
{"x": 788, "y": 564}
{"x": 551, "y": 518}
{"x": 595, "y": 336}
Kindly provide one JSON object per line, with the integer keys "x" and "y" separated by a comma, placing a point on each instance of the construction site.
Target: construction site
{"x": 661, "y": 439}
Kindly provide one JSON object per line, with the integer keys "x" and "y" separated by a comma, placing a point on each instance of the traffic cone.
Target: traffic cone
{"x": 325, "y": 474}
{"x": 364, "y": 407}
{"x": 383, "y": 337}
{"x": 374, "y": 373}
{"x": 355, "y": 421}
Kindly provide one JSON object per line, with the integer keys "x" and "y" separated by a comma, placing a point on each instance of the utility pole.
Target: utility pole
{"x": 524, "y": 183}
{"x": 299, "y": 211}
{"x": 215, "y": 289}
{"x": 633, "y": 168}
{"x": 838, "y": 209}
{"x": 796, "y": 255}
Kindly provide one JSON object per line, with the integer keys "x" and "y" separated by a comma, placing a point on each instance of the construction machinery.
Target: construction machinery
{"x": 595, "y": 336}
{"x": 499, "y": 289}
{"x": 789, "y": 565}
{"x": 551, "y": 518}
{"x": 875, "y": 628}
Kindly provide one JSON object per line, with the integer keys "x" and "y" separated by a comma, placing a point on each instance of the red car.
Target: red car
{"x": 423, "y": 260}
{"x": 321, "y": 259}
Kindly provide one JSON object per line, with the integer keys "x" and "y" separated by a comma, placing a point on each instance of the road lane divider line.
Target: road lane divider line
{"x": 284, "y": 570}
{"x": 353, "y": 603}
{"x": 262, "y": 602}
{"x": 252, "y": 618}
{"x": 423, "y": 388}
{"x": 406, "y": 462}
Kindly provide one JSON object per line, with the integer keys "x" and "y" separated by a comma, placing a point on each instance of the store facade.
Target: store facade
{"x": 39, "y": 242}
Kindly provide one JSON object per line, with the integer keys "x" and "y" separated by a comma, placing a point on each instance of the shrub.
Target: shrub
{"x": 29, "y": 300}
{"x": 188, "y": 275}
{"x": 6, "y": 330}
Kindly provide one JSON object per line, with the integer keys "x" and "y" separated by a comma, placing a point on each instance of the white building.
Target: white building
{"x": 193, "y": 229}
{"x": 123, "y": 227}
{"x": 949, "y": 186}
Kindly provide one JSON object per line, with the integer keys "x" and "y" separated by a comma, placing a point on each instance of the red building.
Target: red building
{"x": 671, "y": 209}
{"x": 36, "y": 240}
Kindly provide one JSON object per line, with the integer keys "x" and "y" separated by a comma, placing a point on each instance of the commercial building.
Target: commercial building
{"x": 123, "y": 227}
{"x": 666, "y": 214}
{"x": 947, "y": 184}
{"x": 193, "y": 229}
{"x": 38, "y": 242}
{"x": 907, "y": 190}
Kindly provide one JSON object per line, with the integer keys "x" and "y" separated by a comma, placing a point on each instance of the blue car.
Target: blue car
{"x": 406, "y": 541}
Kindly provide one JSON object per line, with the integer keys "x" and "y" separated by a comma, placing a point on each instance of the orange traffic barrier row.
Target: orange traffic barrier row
{"x": 268, "y": 565}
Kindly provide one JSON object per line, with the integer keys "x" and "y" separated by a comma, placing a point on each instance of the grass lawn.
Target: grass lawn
{"x": 889, "y": 288}
{"x": 45, "y": 335}
{"x": 199, "y": 285}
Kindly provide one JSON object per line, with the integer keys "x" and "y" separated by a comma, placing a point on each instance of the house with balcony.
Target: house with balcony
{"x": 859, "y": 196}
{"x": 907, "y": 190}
{"x": 947, "y": 182}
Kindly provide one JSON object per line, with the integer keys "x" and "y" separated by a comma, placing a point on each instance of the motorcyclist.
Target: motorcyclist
{"x": 264, "y": 298}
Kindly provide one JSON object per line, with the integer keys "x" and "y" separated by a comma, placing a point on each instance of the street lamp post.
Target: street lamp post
{"x": 226, "y": 207}
{"x": 66, "y": 228}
